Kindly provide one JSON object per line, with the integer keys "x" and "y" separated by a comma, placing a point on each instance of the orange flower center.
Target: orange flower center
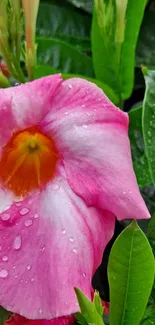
{"x": 28, "y": 161}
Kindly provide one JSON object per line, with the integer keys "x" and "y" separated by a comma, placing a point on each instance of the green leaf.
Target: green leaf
{"x": 57, "y": 20}
{"x": 145, "y": 54}
{"x": 149, "y": 317}
{"x": 140, "y": 162}
{"x": 131, "y": 274}
{"x": 84, "y": 4}
{"x": 114, "y": 37}
{"x": 148, "y": 120}
{"x": 62, "y": 56}
{"x": 88, "y": 309}
{"x": 4, "y": 315}
{"x": 98, "y": 304}
{"x": 46, "y": 70}
{"x": 151, "y": 233}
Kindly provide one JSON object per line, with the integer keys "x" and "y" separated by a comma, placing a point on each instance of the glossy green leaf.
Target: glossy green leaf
{"x": 145, "y": 54}
{"x": 114, "y": 37}
{"x": 131, "y": 274}
{"x": 62, "y": 56}
{"x": 140, "y": 162}
{"x": 62, "y": 21}
{"x": 88, "y": 309}
{"x": 148, "y": 120}
{"x": 46, "y": 70}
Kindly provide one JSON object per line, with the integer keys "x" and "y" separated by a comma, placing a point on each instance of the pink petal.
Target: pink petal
{"x": 25, "y": 105}
{"x": 19, "y": 320}
{"x": 50, "y": 243}
{"x": 92, "y": 136}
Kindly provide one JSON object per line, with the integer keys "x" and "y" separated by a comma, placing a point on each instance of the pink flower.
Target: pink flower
{"x": 19, "y": 320}
{"x": 65, "y": 172}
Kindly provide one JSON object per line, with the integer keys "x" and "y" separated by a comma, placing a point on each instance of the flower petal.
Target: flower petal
{"x": 19, "y": 320}
{"x": 25, "y": 105}
{"x": 92, "y": 136}
{"x": 50, "y": 243}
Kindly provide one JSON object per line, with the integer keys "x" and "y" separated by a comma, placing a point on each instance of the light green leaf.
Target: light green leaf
{"x": 63, "y": 56}
{"x": 115, "y": 31}
{"x": 131, "y": 274}
{"x": 45, "y": 70}
{"x": 148, "y": 120}
{"x": 88, "y": 309}
{"x": 98, "y": 304}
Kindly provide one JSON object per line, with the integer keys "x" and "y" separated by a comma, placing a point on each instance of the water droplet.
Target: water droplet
{"x": 71, "y": 239}
{"x": 75, "y": 250}
{"x": 5, "y": 216}
{"x": 18, "y": 204}
{"x": 124, "y": 192}
{"x": 83, "y": 105}
{"x": 85, "y": 126}
{"x": 66, "y": 113}
{"x": 16, "y": 276}
{"x": 70, "y": 86}
{"x": 32, "y": 279}
{"x": 40, "y": 310}
{"x": 84, "y": 274}
{"x": 28, "y": 267}
{"x": 5, "y": 258}
{"x": 36, "y": 216}
{"x": 149, "y": 133}
{"x": 3, "y": 273}
{"x": 56, "y": 187}
{"x": 63, "y": 230}
{"x": 43, "y": 248}
{"x": 17, "y": 242}
{"x": 28, "y": 223}
{"x": 24, "y": 211}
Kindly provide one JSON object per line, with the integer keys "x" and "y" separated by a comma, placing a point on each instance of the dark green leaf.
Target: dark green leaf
{"x": 140, "y": 162}
{"x": 84, "y": 4}
{"x": 149, "y": 317}
{"x": 45, "y": 70}
{"x": 148, "y": 120}
{"x": 63, "y": 22}
{"x": 62, "y": 56}
{"x": 114, "y": 44}
{"x": 145, "y": 54}
{"x": 4, "y": 315}
{"x": 131, "y": 274}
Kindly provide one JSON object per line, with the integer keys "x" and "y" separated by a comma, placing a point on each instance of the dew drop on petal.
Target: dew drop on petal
{"x": 63, "y": 230}
{"x": 3, "y": 273}
{"x": 5, "y": 258}
{"x": 28, "y": 267}
{"x": 71, "y": 239}
{"x": 40, "y": 310}
{"x": 5, "y": 216}
{"x": 84, "y": 274}
{"x": 124, "y": 192}
{"x": 32, "y": 279}
{"x": 17, "y": 242}
{"x": 75, "y": 250}
{"x": 36, "y": 216}
{"x": 70, "y": 86}
{"x": 28, "y": 223}
{"x": 23, "y": 211}
{"x": 55, "y": 186}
